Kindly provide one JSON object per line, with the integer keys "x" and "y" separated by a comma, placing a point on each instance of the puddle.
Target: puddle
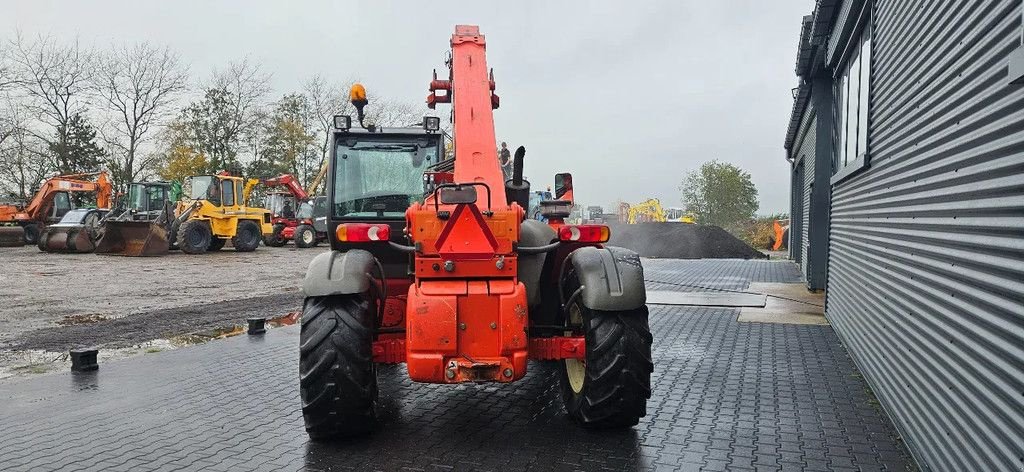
{"x": 26, "y": 363}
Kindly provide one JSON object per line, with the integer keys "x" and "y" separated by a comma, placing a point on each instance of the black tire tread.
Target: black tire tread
{"x": 337, "y": 376}
{"x": 183, "y": 240}
{"x": 247, "y": 245}
{"x": 618, "y": 370}
{"x": 298, "y": 236}
{"x": 275, "y": 239}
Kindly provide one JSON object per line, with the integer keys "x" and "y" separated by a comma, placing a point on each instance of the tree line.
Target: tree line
{"x": 136, "y": 111}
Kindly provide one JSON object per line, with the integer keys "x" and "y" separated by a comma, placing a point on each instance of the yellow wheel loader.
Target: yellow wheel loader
{"x": 213, "y": 211}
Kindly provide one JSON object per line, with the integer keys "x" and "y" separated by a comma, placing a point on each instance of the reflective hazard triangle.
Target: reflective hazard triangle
{"x": 466, "y": 236}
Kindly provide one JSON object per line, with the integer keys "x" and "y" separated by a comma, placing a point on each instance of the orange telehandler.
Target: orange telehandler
{"x": 438, "y": 267}
{"x": 53, "y": 200}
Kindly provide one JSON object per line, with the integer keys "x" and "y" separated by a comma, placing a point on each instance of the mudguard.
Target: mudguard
{"x": 533, "y": 233}
{"x": 338, "y": 273}
{"x": 612, "y": 278}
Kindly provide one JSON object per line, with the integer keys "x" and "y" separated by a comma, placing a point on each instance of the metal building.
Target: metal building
{"x": 906, "y": 144}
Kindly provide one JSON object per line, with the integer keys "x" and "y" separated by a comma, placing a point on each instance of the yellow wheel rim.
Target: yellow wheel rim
{"x": 575, "y": 369}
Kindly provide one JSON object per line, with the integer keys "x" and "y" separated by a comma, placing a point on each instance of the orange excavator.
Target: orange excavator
{"x": 433, "y": 263}
{"x": 25, "y": 225}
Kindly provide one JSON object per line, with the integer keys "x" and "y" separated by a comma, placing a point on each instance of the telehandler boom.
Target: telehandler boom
{"x": 438, "y": 267}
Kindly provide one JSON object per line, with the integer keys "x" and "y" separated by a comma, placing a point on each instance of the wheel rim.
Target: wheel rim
{"x": 195, "y": 238}
{"x": 307, "y": 237}
{"x": 575, "y": 369}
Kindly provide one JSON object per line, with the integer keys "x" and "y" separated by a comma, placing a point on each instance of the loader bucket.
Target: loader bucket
{"x": 133, "y": 238}
{"x": 67, "y": 239}
{"x": 12, "y": 236}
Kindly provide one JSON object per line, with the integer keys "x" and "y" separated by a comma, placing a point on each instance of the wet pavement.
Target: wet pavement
{"x": 726, "y": 396}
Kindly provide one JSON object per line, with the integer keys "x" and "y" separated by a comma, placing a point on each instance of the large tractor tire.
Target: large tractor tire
{"x": 247, "y": 236}
{"x": 609, "y": 388}
{"x": 31, "y": 233}
{"x": 276, "y": 239}
{"x": 194, "y": 237}
{"x": 216, "y": 244}
{"x": 305, "y": 236}
{"x": 337, "y": 376}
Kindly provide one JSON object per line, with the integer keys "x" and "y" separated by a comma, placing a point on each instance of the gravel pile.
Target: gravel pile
{"x": 682, "y": 241}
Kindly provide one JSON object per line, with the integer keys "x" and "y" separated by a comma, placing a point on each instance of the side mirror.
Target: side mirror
{"x": 563, "y": 186}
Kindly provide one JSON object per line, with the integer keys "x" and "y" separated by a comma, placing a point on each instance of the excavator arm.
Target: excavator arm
{"x": 650, "y": 208}
{"x": 69, "y": 183}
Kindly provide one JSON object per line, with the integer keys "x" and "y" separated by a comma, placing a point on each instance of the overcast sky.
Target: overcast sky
{"x": 628, "y": 96}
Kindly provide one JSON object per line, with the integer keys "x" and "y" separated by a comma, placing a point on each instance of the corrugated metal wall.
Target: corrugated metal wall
{"x": 807, "y": 151}
{"x": 926, "y": 258}
{"x": 803, "y": 147}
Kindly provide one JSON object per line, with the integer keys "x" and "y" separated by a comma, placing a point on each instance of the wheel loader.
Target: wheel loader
{"x": 215, "y": 211}
{"x": 434, "y": 263}
{"x": 141, "y": 223}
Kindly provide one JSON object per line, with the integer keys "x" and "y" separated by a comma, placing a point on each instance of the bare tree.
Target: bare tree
{"x": 8, "y": 75}
{"x": 247, "y": 86}
{"x": 56, "y": 82}
{"x": 22, "y": 162}
{"x": 325, "y": 100}
{"x": 137, "y": 83}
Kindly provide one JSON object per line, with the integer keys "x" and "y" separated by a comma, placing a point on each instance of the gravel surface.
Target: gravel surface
{"x": 682, "y": 241}
{"x": 55, "y": 301}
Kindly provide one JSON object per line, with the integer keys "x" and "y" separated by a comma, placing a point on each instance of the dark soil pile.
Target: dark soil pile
{"x": 681, "y": 241}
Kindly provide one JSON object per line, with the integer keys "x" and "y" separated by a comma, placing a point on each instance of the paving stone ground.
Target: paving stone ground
{"x": 726, "y": 396}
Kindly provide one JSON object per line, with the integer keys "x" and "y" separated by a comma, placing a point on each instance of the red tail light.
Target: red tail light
{"x": 362, "y": 232}
{"x": 584, "y": 233}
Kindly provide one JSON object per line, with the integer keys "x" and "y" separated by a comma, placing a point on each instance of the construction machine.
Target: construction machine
{"x": 141, "y": 223}
{"x": 76, "y": 232}
{"x": 214, "y": 211}
{"x": 679, "y": 215}
{"x": 54, "y": 199}
{"x": 780, "y": 235}
{"x": 649, "y": 210}
{"x": 296, "y": 216}
{"x": 440, "y": 268}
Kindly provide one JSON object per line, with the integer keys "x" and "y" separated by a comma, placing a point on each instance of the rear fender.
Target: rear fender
{"x": 339, "y": 273}
{"x": 612, "y": 278}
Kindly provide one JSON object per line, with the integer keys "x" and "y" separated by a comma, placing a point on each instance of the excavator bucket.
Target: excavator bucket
{"x": 67, "y": 239}
{"x": 133, "y": 238}
{"x": 12, "y": 236}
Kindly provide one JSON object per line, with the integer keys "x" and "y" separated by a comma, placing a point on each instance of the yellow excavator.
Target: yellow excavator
{"x": 651, "y": 211}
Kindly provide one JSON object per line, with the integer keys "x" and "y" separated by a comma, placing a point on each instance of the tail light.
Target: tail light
{"x": 584, "y": 233}
{"x": 362, "y": 232}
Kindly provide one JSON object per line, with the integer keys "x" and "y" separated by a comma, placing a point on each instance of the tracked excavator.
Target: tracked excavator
{"x": 55, "y": 198}
{"x": 434, "y": 263}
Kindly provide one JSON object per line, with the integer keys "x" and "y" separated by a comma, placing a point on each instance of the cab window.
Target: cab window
{"x": 227, "y": 187}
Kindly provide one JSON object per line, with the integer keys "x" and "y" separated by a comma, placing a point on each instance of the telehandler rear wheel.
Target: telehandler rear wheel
{"x": 275, "y": 239}
{"x": 337, "y": 376}
{"x": 247, "y": 236}
{"x": 609, "y": 388}
{"x": 305, "y": 236}
{"x": 194, "y": 237}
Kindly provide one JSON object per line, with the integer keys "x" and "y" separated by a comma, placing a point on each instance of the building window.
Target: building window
{"x": 852, "y": 96}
